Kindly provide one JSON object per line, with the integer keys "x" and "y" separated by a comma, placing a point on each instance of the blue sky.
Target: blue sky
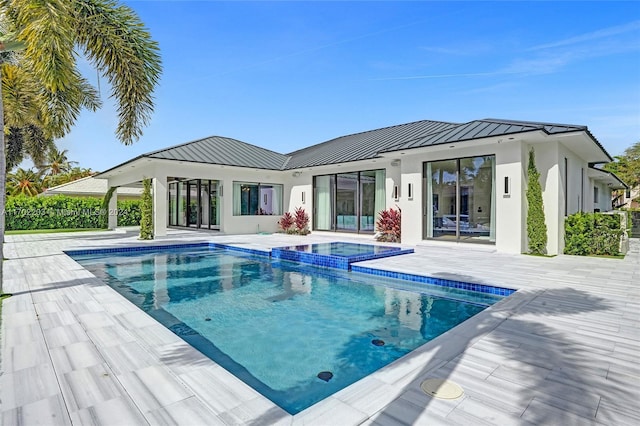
{"x": 285, "y": 75}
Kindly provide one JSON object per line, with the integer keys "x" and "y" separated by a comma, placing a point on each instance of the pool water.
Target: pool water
{"x": 277, "y": 324}
{"x": 336, "y": 254}
{"x": 343, "y": 249}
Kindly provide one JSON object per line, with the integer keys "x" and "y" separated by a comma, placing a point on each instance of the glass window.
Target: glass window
{"x": 256, "y": 199}
{"x": 460, "y": 197}
{"x": 214, "y": 205}
{"x": 173, "y": 204}
{"x": 349, "y": 201}
{"x": 346, "y": 202}
{"x": 323, "y": 190}
{"x": 192, "y": 192}
{"x": 182, "y": 204}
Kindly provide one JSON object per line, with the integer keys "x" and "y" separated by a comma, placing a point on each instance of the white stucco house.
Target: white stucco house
{"x": 462, "y": 182}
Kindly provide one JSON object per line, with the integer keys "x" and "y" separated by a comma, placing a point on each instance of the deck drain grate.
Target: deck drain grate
{"x": 441, "y": 389}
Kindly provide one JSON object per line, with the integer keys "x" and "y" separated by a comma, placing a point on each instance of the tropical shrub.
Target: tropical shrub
{"x": 536, "y": 226}
{"x": 286, "y": 223}
{"x": 64, "y": 212}
{"x": 129, "y": 212}
{"x": 592, "y": 234}
{"x": 146, "y": 211}
{"x": 301, "y": 220}
{"x": 388, "y": 226}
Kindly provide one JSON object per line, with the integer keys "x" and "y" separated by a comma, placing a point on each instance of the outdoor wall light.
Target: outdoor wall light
{"x": 296, "y": 174}
{"x": 410, "y": 191}
{"x": 507, "y": 186}
{"x": 303, "y": 197}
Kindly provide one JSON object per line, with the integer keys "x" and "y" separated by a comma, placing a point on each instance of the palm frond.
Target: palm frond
{"x": 121, "y": 48}
{"x": 37, "y": 144}
{"x": 14, "y": 147}
{"x": 19, "y": 95}
{"x": 48, "y": 30}
{"x": 59, "y": 110}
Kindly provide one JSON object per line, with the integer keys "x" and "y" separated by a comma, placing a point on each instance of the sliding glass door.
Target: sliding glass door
{"x": 348, "y": 202}
{"x": 194, "y": 203}
{"x": 323, "y": 202}
{"x": 460, "y": 199}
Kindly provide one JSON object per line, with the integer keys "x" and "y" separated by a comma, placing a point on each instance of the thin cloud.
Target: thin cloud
{"x": 468, "y": 49}
{"x": 455, "y": 75}
{"x": 544, "y": 62}
{"x": 595, "y": 35}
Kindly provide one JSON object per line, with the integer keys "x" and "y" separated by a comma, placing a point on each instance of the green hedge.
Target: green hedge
{"x": 64, "y": 212}
{"x": 129, "y": 213}
{"x": 592, "y": 234}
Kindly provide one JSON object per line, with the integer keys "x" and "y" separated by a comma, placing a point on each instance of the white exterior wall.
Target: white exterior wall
{"x": 579, "y": 197}
{"x": 159, "y": 170}
{"x": 509, "y": 218}
{"x": 112, "y": 214}
{"x": 604, "y": 197}
{"x": 412, "y": 210}
{"x": 551, "y": 180}
{"x": 550, "y": 161}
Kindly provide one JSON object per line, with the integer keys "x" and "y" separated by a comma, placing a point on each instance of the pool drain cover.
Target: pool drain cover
{"x": 325, "y": 375}
{"x": 441, "y": 388}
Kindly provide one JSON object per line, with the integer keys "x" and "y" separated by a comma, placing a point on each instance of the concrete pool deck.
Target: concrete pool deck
{"x": 564, "y": 349}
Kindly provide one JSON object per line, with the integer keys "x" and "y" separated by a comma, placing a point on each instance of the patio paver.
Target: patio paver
{"x": 564, "y": 349}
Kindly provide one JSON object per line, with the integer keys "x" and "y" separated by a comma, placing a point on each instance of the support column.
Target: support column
{"x": 159, "y": 190}
{"x": 113, "y": 211}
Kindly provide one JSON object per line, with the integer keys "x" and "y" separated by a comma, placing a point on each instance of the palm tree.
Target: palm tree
{"x": 70, "y": 175}
{"x": 24, "y": 182}
{"x": 42, "y": 86}
{"x": 57, "y": 162}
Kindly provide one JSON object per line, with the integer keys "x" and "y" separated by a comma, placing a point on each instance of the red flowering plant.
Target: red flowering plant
{"x": 286, "y": 223}
{"x": 301, "y": 221}
{"x": 388, "y": 226}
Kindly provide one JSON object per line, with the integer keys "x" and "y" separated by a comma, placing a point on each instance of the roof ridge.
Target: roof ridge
{"x": 526, "y": 122}
{"x": 367, "y": 131}
{"x": 209, "y": 137}
{"x": 454, "y": 126}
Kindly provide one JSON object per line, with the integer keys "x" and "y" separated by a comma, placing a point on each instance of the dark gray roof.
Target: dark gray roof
{"x": 225, "y": 151}
{"x": 363, "y": 146}
{"x": 613, "y": 175}
{"x": 479, "y": 129}
{"x": 358, "y": 146}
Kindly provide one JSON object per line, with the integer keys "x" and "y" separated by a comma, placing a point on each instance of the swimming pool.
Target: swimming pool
{"x": 336, "y": 254}
{"x": 282, "y": 326}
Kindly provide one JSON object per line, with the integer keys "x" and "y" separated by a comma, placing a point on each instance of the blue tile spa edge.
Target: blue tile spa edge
{"x": 82, "y": 252}
{"x": 331, "y": 261}
{"x": 481, "y": 288}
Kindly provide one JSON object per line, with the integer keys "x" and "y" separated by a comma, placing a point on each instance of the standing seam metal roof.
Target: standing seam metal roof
{"x": 225, "y": 151}
{"x": 362, "y": 146}
{"x": 485, "y": 128}
{"x": 354, "y": 147}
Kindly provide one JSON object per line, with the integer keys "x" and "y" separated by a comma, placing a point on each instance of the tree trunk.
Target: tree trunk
{"x": 3, "y": 180}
